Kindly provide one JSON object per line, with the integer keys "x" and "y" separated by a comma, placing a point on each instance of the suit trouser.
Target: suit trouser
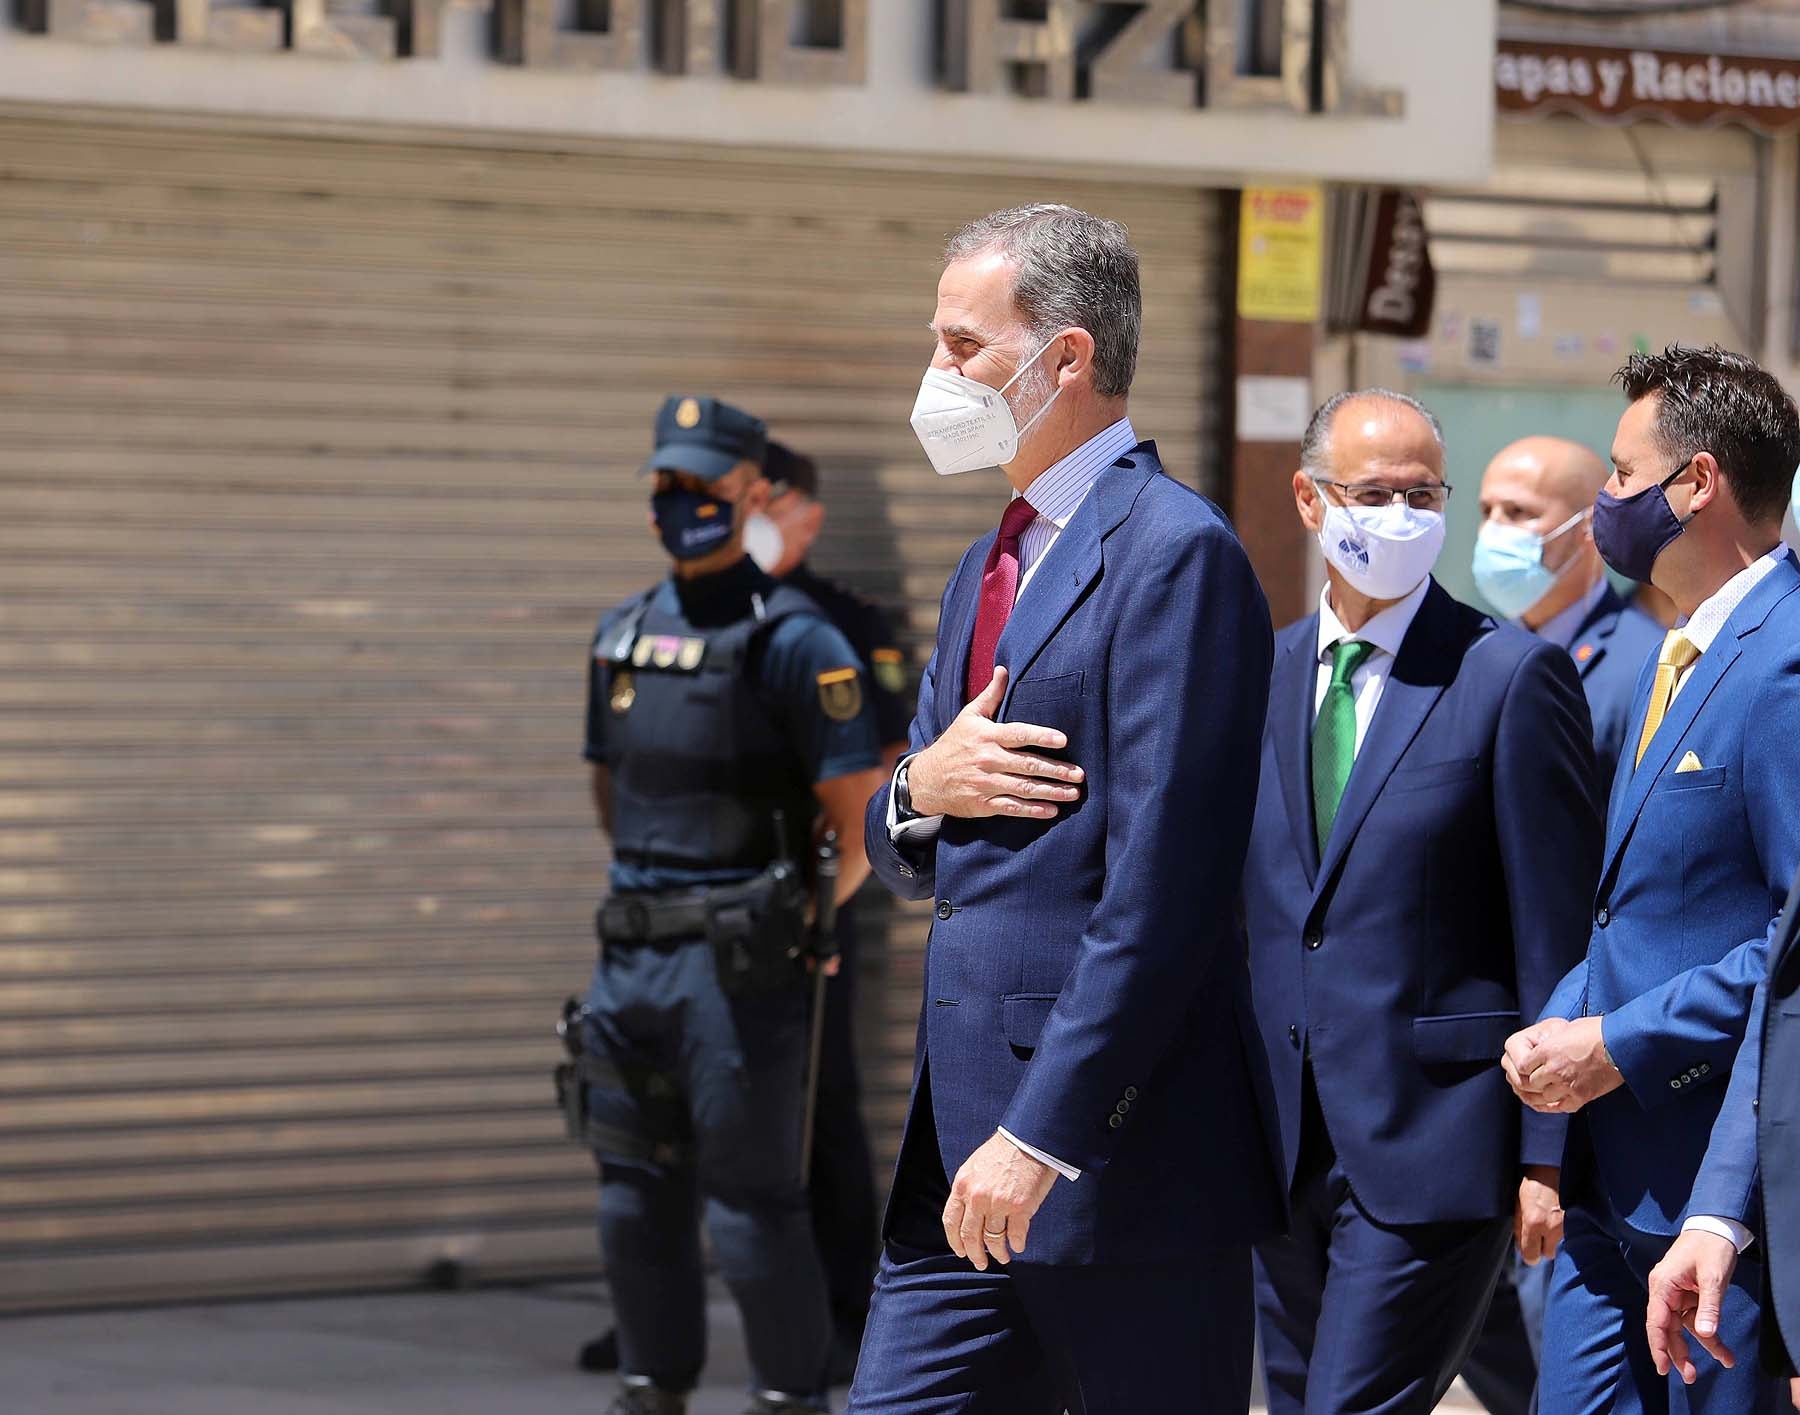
{"x": 1502, "y": 1369}
{"x": 1030, "y": 1339}
{"x": 1359, "y": 1317}
{"x": 1596, "y": 1356}
{"x": 727, "y": 1076}
{"x": 846, "y": 1220}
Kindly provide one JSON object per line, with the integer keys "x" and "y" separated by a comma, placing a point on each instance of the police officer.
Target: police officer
{"x": 725, "y": 716}
{"x": 845, "y": 1218}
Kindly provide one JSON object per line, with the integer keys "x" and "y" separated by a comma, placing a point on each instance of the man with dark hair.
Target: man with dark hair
{"x": 1702, "y": 840}
{"x": 841, "y": 1187}
{"x": 1088, "y": 1152}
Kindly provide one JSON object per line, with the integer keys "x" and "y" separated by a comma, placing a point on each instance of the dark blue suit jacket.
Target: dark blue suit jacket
{"x": 1697, "y": 866}
{"x": 1609, "y": 651}
{"x": 1084, "y": 987}
{"x": 1755, "y": 1150}
{"x": 1453, "y": 893}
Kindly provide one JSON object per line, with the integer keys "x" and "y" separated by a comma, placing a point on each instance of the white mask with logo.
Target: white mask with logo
{"x": 1384, "y": 553}
{"x": 963, "y": 424}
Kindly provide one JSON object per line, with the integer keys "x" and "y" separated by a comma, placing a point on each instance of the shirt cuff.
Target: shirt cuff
{"x": 914, "y": 829}
{"x": 1067, "y": 1171}
{"x": 1740, "y": 1236}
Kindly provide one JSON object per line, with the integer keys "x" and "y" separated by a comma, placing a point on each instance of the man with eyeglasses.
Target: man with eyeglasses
{"x": 1421, "y": 867}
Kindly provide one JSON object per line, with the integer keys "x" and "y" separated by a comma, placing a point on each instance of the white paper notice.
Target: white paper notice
{"x": 1530, "y": 322}
{"x": 1272, "y": 408}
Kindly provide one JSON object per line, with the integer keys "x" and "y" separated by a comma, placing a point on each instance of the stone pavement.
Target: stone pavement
{"x": 490, "y": 1351}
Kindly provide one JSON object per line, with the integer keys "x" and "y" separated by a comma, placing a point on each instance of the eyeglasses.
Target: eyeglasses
{"x": 1430, "y": 497}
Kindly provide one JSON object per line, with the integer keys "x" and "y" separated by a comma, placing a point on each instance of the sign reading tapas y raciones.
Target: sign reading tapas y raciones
{"x": 1691, "y": 89}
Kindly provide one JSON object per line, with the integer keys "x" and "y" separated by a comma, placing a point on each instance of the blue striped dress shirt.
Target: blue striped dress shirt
{"x": 1060, "y": 489}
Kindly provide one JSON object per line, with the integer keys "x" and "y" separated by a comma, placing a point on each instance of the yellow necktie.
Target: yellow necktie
{"x": 1678, "y": 653}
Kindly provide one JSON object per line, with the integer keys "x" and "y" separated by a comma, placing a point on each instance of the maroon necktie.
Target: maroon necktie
{"x": 999, "y": 587}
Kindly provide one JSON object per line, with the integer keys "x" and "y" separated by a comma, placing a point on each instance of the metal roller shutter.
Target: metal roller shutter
{"x": 317, "y": 455}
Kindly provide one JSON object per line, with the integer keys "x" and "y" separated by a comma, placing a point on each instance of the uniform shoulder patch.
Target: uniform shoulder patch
{"x": 888, "y": 668}
{"x": 840, "y": 693}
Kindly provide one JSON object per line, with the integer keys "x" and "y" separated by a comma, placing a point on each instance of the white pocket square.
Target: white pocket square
{"x": 1689, "y": 763}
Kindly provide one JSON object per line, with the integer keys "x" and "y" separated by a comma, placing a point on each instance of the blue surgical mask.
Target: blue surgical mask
{"x": 1509, "y": 565}
{"x": 691, "y": 523}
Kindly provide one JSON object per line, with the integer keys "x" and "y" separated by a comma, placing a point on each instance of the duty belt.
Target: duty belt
{"x": 636, "y": 920}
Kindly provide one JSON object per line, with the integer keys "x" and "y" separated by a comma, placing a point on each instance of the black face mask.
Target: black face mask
{"x": 1631, "y": 531}
{"x": 692, "y": 524}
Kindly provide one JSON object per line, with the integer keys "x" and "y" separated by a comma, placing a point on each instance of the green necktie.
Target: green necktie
{"x": 1334, "y": 736}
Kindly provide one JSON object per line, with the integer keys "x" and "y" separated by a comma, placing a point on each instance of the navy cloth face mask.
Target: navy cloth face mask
{"x": 691, "y": 523}
{"x": 1631, "y": 531}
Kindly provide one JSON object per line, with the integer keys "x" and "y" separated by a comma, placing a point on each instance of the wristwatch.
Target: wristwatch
{"x": 903, "y": 806}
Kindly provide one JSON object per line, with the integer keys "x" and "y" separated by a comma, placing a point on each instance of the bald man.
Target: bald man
{"x": 1421, "y": 871}
{"x": 1536, "y": 563}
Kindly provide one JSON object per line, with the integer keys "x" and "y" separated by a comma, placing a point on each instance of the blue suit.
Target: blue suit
{"x": 1453, "y": 892}
{"x": 1084, "y": 987}
{"x": 1753, "y": 1160}
{"x": 1696, "y": 867}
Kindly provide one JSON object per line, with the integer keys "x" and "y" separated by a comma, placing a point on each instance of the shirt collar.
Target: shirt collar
{"x": 1060, "y": 488}
{"x": 1706, "y": 622}
{"x": 1562, "y": 627}
{"x": 1386, "y": 631}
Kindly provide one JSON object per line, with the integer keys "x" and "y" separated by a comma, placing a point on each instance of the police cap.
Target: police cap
{"x": 705, "y": 438}
{"x": 787, "y": 468}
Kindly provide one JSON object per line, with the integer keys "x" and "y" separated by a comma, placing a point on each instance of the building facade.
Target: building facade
{"x": 330, "y": 339}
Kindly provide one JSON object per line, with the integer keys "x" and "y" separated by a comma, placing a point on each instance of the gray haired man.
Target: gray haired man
{"x": 1077, "y": 801}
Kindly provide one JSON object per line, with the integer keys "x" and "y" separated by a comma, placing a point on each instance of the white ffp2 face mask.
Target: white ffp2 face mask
{"x": 1382, "y": 553}
{"x": 763, "y": 542}
{"x": 963, "y": 424}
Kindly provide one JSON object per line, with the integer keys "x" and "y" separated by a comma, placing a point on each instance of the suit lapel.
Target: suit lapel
{"x": 1068, "y": 568}
{"x": 1291, "y": 694}
{"x": 1703, "y": 677}
{"x": 1589, "y": 645}
{"x": 1417, "y": 680}
{"x": 957, "y": 631}
{"x": 1070, "y": 565}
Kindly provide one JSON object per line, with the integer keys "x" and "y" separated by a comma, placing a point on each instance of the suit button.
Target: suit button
{"x": 1675, "y": 1085}
{"x": 906, "y": 872}
{"x": 1123, "y": 1107}
{"x": 1293, "y": 1034}
{"x": 1706, "y": 1068}
{"x": 1603, "y": 916}
{"x": 1115, "y": 1121}
{"x": 1756, "y": 1103}
{"x": 944, "y": 910}
{"x": 1131, "y": 1093}
{"x": 1314, "y": 938}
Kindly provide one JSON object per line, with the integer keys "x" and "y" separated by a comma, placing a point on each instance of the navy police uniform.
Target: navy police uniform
{"x": 845, "y": 1216}
{"x": 716, "y": 703}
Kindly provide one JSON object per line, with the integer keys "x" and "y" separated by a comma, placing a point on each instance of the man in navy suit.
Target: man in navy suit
{"x": 1535, "y": 562}
{"x": 1419, "y": 875}
{"x": 1755, "y": 1145}
{"x": 1703, "y": 836}
{"x": 1087, "y": 1155}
